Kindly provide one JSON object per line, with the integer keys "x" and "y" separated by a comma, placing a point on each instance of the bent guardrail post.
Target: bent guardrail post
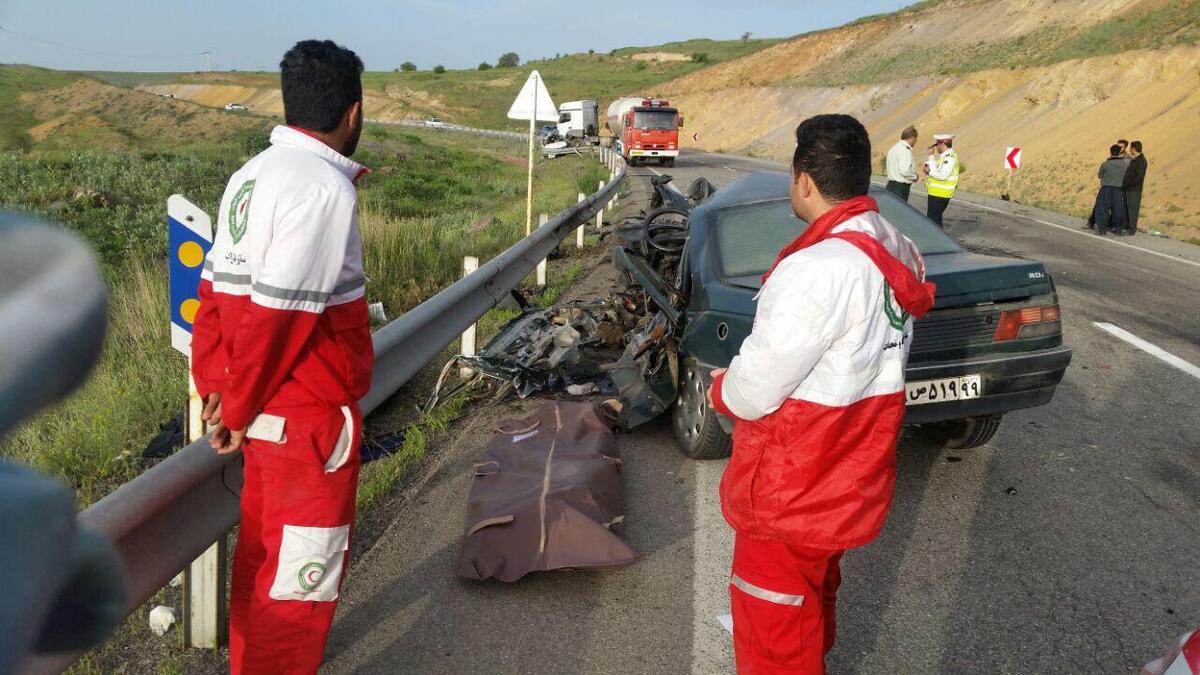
{"x": 543, "y": 218}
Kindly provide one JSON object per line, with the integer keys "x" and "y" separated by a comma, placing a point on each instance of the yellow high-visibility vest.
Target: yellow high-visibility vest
{"x": 937, "y": 187}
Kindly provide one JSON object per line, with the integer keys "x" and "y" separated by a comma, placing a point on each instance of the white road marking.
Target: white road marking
{"x": 1152, "y": 350}
{"x": 1072, "y": 230}
{"x": 712, "y": 557}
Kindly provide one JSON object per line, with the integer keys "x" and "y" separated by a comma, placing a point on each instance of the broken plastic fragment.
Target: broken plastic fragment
{"x": 161, "y": 620}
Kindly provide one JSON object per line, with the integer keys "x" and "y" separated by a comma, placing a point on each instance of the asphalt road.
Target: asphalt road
{"x": 1067, "y": 545}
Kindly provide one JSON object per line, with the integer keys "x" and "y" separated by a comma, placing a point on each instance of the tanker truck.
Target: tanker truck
{"x": 645, "y": 128}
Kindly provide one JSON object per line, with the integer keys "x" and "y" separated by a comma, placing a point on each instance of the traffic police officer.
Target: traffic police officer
{"x": 941, "y": 171}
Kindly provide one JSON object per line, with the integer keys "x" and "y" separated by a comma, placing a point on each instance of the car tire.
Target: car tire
{"x": 669, "y": 163}
{"x": 963, "y": 434}
{"x": 696, "y": 426}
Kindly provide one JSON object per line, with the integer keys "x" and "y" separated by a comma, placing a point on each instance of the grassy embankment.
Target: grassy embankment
{"x": 421, "y": 212}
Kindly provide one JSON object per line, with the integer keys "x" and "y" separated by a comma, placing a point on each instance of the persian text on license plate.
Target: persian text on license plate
{"x": 947, "y": 389}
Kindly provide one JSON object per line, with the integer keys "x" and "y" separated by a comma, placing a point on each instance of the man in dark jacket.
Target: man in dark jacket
{"x": 1135, "y": 176}
{"x": 1110, "y": 202}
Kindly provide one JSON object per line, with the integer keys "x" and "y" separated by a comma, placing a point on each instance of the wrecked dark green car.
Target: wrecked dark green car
{"x": 993, "y": 342}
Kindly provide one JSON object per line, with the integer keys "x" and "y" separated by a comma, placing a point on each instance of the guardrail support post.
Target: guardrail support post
{"x": 467, "y": 348}
{"x": 205, "y": 620}
{"x": 612, "y": 203}
{"x": 600, "y": 212}
{"x": 579, "y": 230}
{"x": 541, "y": 267}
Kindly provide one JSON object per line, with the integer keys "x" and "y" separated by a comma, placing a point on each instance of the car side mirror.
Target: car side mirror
{"x": 628, "y": 122}
{"x": 681, "y": 121}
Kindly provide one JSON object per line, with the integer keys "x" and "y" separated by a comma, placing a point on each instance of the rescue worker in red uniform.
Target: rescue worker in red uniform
{"x": 816, "y": 393}
{"x": 281, "y": 354}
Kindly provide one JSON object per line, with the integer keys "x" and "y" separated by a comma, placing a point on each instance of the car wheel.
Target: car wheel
{"x": 963, "y": 434}
{"x": 669, "y": 163}
{"x": 699, "y": 433}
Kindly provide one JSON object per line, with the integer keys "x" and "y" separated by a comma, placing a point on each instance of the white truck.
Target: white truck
{"x": 578, "y": 122}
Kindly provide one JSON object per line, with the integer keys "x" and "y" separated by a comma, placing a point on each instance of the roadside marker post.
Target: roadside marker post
{"x": 600, "y": 212}
{"x": 467, "y": 348}
{"x": 532, "y": 103}
{"x": 579, "y": 230}
{"x": 541, "y": 267}
{"x": 189, "y": 238}
{"x": 1012, "y": 162}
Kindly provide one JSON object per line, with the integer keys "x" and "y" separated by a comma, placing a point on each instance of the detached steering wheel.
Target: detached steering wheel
{"x": 665, "y": 230}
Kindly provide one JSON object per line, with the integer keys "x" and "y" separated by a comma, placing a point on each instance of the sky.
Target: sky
{"x": 171, "y": 35}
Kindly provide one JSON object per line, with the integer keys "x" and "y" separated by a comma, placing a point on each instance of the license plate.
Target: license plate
{"x": 946, "y": 389}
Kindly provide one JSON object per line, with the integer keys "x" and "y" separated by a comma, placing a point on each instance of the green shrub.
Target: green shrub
{"x": 408, "y": 67}
{"x": 252, "y": 141}
{"x": 700, "y": 57}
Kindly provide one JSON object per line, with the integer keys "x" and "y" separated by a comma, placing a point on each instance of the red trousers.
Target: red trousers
{"x": 294, "y": 541}
{"x": 784, "y": 602}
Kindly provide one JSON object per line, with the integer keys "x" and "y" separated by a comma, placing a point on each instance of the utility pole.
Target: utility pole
{"x": 207, "y": 61}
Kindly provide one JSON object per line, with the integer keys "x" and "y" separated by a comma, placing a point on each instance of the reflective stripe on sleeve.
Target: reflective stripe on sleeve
{"x": 764, "y": 594}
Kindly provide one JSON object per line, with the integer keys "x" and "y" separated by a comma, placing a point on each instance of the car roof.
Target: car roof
{"x": 757, "y": 186}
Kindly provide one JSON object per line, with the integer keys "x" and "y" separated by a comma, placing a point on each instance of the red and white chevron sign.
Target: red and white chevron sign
{"x": 1012, "y": 158}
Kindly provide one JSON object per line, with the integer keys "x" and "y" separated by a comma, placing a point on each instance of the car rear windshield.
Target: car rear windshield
{"x": 748, "y": 238}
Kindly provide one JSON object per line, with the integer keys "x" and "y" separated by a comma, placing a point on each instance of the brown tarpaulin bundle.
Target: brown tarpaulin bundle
{"x": 547, "y": 495}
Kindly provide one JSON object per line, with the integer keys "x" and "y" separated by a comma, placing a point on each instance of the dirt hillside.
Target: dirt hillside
{"x": 1063, "y": 112}
{"x": 88, "y": 113}
{"x": 262, "y": 95}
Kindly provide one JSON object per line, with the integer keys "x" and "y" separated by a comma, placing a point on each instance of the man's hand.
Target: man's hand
{"x": 212, "y": 409}
{"x": 709, "y": 394}
{"x": 225, "y": 440}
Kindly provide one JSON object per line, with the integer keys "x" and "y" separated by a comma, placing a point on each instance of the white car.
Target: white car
{"x": 234, "y": 106}
{"x": 434, "y": 122}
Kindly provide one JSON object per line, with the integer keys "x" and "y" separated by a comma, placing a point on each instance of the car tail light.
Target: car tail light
{"x": 1012, "y": 321}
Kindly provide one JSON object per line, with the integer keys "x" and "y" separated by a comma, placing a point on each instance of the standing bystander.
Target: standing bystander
{"x": 1124, "y": 145}
{"x": 1110, "y": 203}
{"x": 1135, "y": 178}
{"x": 901, "y": 171}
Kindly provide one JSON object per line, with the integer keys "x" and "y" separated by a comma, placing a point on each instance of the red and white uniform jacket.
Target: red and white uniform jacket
{"x": 283, "y": 324}
{"x": 817, "y": 390}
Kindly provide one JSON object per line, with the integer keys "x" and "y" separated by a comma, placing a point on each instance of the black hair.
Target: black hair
{"x": 1122, "y": 141}
{"x": 1136, "y": 145}
{"x": 1114, "y": 150}
{"x": 835, "y": 151}
{"x": 909, "y": 132}
{"x": 320, "y": 80}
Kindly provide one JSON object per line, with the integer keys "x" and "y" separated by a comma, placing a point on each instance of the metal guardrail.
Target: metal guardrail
{"x": 445, "y": 126}
{"x": 166, "y": 517}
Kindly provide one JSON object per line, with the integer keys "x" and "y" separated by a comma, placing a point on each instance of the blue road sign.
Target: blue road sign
{"x": 189, "y": 236}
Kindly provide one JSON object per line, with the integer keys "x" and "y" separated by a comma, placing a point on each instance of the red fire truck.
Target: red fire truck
{"x": 645, "y": 128}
